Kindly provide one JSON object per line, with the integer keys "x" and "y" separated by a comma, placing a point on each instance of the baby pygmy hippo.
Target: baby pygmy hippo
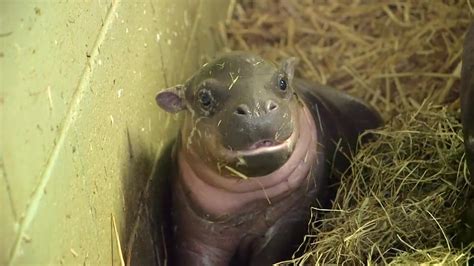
{"x": 255, "y": 152}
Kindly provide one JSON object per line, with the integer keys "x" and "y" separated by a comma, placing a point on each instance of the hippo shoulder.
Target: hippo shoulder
{"x": 356, "y": 115}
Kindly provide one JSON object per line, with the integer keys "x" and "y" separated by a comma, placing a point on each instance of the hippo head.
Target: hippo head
{"x": 241, "y": 114}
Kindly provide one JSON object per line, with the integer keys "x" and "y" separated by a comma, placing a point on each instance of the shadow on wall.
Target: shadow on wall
{"x": 146, "y": 197}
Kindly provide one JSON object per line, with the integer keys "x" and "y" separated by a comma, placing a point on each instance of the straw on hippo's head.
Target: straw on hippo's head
{"x": 241, "y": 113}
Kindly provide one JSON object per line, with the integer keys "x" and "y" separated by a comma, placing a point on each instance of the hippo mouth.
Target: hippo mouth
{"x": 264, "y": 143}
{"x": 264, "y": 146}
{"x": 265, "y": 153}
{"x": 260, "y": 157}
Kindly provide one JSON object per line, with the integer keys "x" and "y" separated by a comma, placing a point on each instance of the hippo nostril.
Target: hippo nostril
{"x": 271, "y": 105}
{"x": 242, "y": 110}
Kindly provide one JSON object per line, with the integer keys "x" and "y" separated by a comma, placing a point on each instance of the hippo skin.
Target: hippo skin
{"x": 467, "y": 95}
{"x": 467, "y": 110}
{"x": 256, "y": 150}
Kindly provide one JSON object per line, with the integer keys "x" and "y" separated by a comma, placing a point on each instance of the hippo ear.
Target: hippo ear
{"x": 288, "y": 66}
{"x": 171, "y": 99}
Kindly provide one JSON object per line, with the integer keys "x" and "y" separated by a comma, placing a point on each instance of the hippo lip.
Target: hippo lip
{"x": 264, "y": 143}
{"x": 263, "y": 146}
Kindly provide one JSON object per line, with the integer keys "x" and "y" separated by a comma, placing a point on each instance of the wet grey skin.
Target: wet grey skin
{"x": 244, "y": 118}
{"x": 467, "y": 110}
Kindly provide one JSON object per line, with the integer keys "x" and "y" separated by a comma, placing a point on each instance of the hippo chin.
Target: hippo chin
{"x": 256, "y": 150}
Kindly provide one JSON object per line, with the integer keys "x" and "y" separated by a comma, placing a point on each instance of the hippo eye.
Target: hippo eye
{"x": 205, "y": 98}
{"x": 283, "y": 84}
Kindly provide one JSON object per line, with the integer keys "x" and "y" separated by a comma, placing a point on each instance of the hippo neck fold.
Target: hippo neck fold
{"x": 220, "y": 195}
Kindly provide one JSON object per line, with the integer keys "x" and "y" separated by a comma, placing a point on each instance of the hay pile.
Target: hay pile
{"x": 394, "y": 54}
{"x": 400, "y": 201}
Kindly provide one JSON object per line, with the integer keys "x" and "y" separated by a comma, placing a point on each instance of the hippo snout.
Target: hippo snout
{"x": 265, "y": 123}
{"x": 244, "y": 109}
